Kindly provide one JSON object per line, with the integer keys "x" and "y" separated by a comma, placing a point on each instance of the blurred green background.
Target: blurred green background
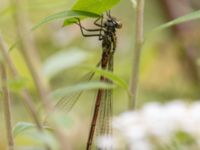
{"x": 167, "y": 70}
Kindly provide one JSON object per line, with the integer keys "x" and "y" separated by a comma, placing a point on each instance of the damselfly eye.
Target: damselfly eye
{"x": 119, "y": 25}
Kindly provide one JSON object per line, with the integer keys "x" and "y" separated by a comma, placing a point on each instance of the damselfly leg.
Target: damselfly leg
{"x": 98, "y": 30}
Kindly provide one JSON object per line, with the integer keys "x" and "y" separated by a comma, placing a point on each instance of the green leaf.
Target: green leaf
{"x": 95, "y": 6}
{"x": 17, "y": 84}
{"x": 63, "y": 60}
{"x": 63, "y": 15}
{"x": 69, "y": 21}
{"x": 45, "y": 138}
{"x": 81, "y": 87}
{"x": 21, "y": 127}
{"x": 82, "y": 15}
{"x": 191, "y": 16}
{"x": 117, "y": 80}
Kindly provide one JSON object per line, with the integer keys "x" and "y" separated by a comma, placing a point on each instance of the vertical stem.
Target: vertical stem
{"x": 7, "y": 107}
{"x": 24, "y": 93}
{"x": 139, "y": 38}
{"x": 29, "y": 49}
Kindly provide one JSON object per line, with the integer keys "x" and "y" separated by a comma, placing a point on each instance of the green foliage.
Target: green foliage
{"x": 70, "y": 14}
{"x": 6, "y": 10}
{"x": 70, "y": 21}
{"x": 191, "y": 16}
{"x": 93, "y": 85}
{"x": 17, "y": 84}
{"x": 117, "y": 80}
{"x": 22, "y": 127}
{"x": 47, "y": 138}
{"x": 81, "y": 9}
{"x": 63, "y": 60}
{"x": 95, "y": 6}
{"x": 184, "y": 138}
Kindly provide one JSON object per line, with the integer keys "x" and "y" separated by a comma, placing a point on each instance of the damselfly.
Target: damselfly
{"x": 106, "y": 32}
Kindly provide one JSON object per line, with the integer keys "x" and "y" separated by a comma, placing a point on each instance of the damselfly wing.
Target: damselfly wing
{"x": 106, "y": 32}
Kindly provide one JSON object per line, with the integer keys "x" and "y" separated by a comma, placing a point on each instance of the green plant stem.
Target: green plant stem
{"x": 7, "y": 107}
{"x": 139, "y": 38}
{"x": 24, "y": 93}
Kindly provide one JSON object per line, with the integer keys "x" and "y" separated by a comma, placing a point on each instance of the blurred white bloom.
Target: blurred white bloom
{"x": 141, "y": 145}
{"x": 194, "y": 119}
{"x": 106, "y": 142}
{"x": 159, "y": 123}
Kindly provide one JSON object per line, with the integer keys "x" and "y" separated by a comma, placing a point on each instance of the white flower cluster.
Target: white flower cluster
{"x": 156, "y": 123}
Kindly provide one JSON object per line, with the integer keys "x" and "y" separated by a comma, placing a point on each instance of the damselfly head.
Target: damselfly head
{"x": 116, "y": 23}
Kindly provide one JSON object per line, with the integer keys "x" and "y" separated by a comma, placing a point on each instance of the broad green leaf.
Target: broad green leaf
{"x": 21, "y": 127}
{"x": 63, "y": 60}
{"x": 95, "y": 6}
{"x": 63, "y": 15}
{"x": 81, "y": 87}
{"x": 117, "y": 80}
{"x": 191, "y": 16}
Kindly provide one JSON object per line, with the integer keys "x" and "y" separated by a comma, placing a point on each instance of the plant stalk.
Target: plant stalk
{"x": 7, "y": 107}
{"x": 139, "y": 39}
{"x": 24, "y": 93}
{"x": 29, "y": 51}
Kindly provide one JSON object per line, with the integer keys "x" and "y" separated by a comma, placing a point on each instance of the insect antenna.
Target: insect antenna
{"x": 108, "y": 13}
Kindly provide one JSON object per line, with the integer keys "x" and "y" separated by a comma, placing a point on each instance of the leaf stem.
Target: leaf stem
{"x": 139, "y": 38}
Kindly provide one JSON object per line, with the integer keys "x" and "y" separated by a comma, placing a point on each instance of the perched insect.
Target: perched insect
{"x": 106, "y": 32}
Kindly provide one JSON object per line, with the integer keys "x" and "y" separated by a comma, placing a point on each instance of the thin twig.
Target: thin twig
{"x": 7, "y": 107}
{"x": 139, "y": 38}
